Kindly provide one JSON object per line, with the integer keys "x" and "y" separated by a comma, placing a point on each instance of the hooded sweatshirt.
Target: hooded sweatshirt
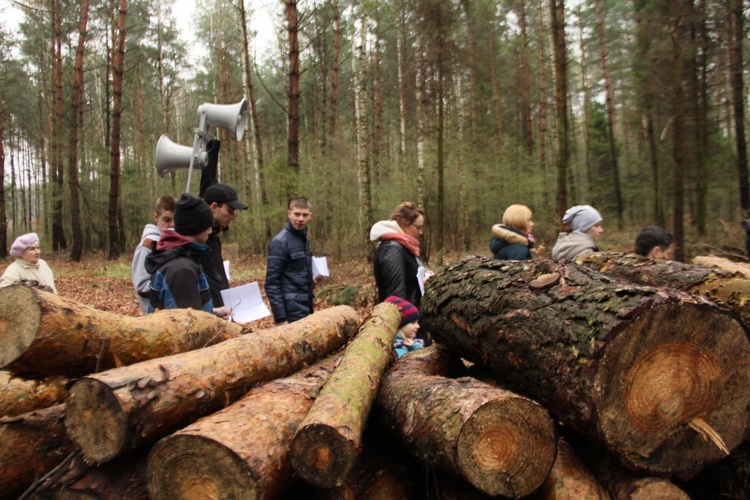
{"x": 141, "y": 278}
{"x": 177, "y": 279}
{"x": 573, "y": 245}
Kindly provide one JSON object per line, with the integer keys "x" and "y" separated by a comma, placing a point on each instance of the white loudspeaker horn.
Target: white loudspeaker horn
{"x": 171, "y": 156}
{"x": 232, "y": 117}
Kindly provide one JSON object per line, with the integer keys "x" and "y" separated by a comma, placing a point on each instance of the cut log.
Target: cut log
{"x": 329, "y": 439}
{"x": 241, "y": 451}
{"x": 501, "y": 443}
{"x": 19, "y": 395}
{"x": 659, "y": 376}
{"x": 31, "y": 445}
{"x": 569, "y": 479}
{"x": 45, "y": 334}
{"x": 116, "y": 411}
{"x": 722, "y": 286}
{"x": 724, "y": 264}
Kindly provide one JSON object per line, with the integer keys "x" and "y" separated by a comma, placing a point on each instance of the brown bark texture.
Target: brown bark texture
{"x": 242, "y": 451}
{"x": 722, "y": 286}
{"x": 19, "y": 395}
{"x": 330, "y": 437}
{"x": 44, "y": 334}
{"x": 31, "y": 445}
{"x": 569, "y": 478}
{"x": 659, "y": 376}
{"x": 138, "y": 404}
{"x": 499, "y": 442}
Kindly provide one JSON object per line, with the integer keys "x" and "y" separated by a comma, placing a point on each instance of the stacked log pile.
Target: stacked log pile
{"x": 647, "y": 382}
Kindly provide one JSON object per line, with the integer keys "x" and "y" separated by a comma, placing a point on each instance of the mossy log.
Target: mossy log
{"x": 45, "y": 334}
{"x": 499, "y": 442}
{"x": 116, "y": 411}
{"x": 328, "y": 440}
{"x": 19, "y": 395}
{"x": 241, "y": 451}
{"x": 31, "y": 445}
{"x": 659, "y": 376}
{"x": 722, "y": 286}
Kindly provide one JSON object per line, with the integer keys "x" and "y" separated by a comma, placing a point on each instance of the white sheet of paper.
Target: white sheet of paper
{"x": 420, "y": 278}
{"x": 245, "y": 302}
{"x": 320, "y": 267}
{"x": 226, "y": 270}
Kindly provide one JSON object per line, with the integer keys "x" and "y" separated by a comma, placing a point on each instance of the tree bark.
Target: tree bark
{"x": 32, "y": 445}
{"x": 501, "y": 443}
{"x": 136, "y": 405}
{"x": 736, "y": 36}
{"x": 557, "y": 16}
{"x": 45, "y": 334}
{"x": 242, "y": 451}
{"x": 359, "y": 65}
{"x": 721, "y": 286}
{"x": 114, "y": 211}
{"x": 293, "y": 88}
{"x": 569, "y": 478}
{"x": 18, "y": 395}
{"x": 329, "y": 439}
{"x": 637, "y": 368}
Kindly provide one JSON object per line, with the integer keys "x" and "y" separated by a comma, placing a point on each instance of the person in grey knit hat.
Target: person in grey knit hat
{"x": 585, "y": 229}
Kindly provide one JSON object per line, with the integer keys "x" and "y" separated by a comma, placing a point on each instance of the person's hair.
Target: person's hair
{"x": 165, "y": 202}
{"x": 300, "y": 202}
{"x": 651, "y": 237}
{"x": 517, "y": 216}
{"x": 406, "y": 213}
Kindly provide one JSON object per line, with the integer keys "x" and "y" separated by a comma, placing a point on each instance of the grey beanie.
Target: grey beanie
{"x": 581, "y": 217}
{"x": 192, "y": 215}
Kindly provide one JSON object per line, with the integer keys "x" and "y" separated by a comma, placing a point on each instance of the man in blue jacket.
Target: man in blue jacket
{"x": 177, "y": 277}
{"x": 289, "y": 282}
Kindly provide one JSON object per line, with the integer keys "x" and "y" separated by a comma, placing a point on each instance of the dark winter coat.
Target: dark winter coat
{"x": 508, "y": 243}
{"x": 177, "y": 278}
{"x": 395, "y": 270}
{"x": 289, "y": 281}
{"x": 213, "y": 266}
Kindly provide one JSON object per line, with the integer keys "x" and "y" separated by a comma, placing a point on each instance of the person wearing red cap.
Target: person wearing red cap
{"x": 407, "y": 330}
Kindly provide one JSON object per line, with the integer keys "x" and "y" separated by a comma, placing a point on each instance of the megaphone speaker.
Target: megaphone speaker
{"x": 171, "y": 156}
{"x": 232, "y": 117}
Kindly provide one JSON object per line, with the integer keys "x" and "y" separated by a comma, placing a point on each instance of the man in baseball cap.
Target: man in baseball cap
{"x": 223, "y": 201}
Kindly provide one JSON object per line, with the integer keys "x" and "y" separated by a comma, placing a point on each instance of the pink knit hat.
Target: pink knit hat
{"x": 22, "y": 243}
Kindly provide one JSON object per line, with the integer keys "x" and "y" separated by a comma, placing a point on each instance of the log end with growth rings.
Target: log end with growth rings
{"x": 669, "y": 388}
{"x": 95, "y": 421}
{"x": 187, "y": 467}
{"x": 20, "y": 317}
{"x": 322, "y": 456}
{"x": 507, "y": 447}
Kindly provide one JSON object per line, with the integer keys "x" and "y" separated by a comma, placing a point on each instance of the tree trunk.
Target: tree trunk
{"x": 637, "y": 368}
{"x": 359, "y": 65}
{"x": 3, "y": 214}
{"x": 524, "y": 68}
{"x": 76, "y": 99}
{"x": 335, "y": 70}
{"x": 569, "y": 478}
{"x": 501, "y": 443}
{"x": 242, "y": 451}
{"x": 557, "y": 15}
{"x": 18, "y": 395}
{"x": 138, "y": 404}
{"x": 720, "y": 286}
{"x": 114, "y": 209}
{"x": 293, "y": 89}
{"x": 57, "y": 168}
{"x": 45, "y": 334}
{"x": 329, "y": 439}
{"x": 736, "y": 37}
{"x": 32, "y": 445}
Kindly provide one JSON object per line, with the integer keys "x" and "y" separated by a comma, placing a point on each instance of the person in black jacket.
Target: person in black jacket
{"x": 289, "y": 281}
{"x": 512, "y": 240}
{"x": 223, "y": 201}
{"x": 177, "y": 277}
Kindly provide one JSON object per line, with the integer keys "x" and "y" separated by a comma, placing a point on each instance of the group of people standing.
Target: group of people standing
{"x": 179, "y": 264}
{"x": 513, "y": 239}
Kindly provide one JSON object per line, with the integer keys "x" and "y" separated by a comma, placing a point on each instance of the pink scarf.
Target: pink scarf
{"x": 409, "y": 242}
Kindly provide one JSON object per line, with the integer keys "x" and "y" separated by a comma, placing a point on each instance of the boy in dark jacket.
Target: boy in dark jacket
{"x": 289, "y": 282}
{"x": 177, "y": 277}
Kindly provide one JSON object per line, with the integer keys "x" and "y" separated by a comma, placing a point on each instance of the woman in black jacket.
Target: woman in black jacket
{"x": 397, "y": 265}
